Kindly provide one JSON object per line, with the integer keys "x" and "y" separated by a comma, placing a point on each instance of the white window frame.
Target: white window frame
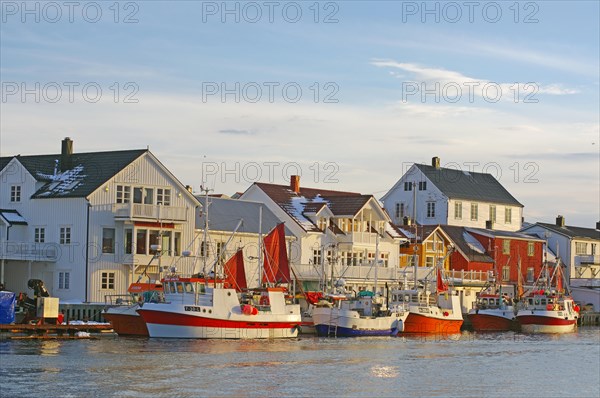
{"x": 163, "y": 196}
{"x": 39, "y": 235}
{"x": 474, "y": 211}
{"x": 430, "y": 209}
{"x": 580, "y": 248}
{"x": 15, "y": 193}
{"x": 506, "y": 273}
{"x": 65, "y": 234}
{"x": 530, "y": 249}
{"x": 114, "y": 239}
{"x": 458, "y": 210}
{"x": 123, "y": 194}
{"x": 107, "y": 280}
{"x": 508, "y": 215}
{"x": 506, "y": 246}
{"x": 64, "y": 280}
{"x": 492, "y": 217}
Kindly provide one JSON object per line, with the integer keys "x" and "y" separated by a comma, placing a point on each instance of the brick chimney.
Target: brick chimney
{"x": 295, "y": 183}
{"x": 560, "y": 221}
{"x": 65, "y": 154}
{"x": 435, "y": 162}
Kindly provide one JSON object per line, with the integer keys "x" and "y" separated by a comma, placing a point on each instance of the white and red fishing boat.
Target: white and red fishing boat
{"x": 121, "y": 310}
{"x": 493, "y": 313}
{"x": 437, "y": 311}
{"x": 548, "y": 308}
{"x": 197, "y": 308}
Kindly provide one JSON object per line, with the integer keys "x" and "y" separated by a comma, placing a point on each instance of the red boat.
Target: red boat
{"x": 493, "y": 313}
{"x": 120, "y": 310}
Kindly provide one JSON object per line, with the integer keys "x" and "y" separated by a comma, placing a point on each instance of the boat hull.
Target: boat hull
{"x": 127, "y": 324}
{"x": 326, "y": 331}
{"x": 419, "y": 323}
{"x": 493, "y": 321}
{"x": 177, "y": 325}
{"x": 347, "y": 323}
{"x": 546, "y": 324}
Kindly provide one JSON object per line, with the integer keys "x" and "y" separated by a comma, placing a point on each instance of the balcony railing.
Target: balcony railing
{"x": 587, "y": 272}
{"x": 587, "y": 260}
{"x": 29, "y": 251}
{"x": 149, "y": 212}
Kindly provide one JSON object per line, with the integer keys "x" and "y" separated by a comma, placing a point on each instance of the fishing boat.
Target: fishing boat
{"x": 548, "y": 308}
{"x": 121, "y": 310}
{"x": 223, "y": 308}
{"x": 364, "y": 315}
{"x": 367, "y": 314}
{"x": 437, "y": 311}
{"x": 493, "y": 313}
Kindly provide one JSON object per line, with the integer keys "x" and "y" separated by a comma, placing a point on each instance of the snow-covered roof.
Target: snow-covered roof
{"x": 12, "y": 217}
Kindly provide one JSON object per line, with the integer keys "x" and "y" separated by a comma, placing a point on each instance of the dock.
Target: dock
{"x": 588, "y": 318}
{"x": 48, "y": 331}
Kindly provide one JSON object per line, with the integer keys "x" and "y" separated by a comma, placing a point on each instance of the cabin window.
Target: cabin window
{"x": 188, "y": 287}
{"x": 530, "y": 301}
{"x": 457, "y": 210}
{"x": 15, "y": 193}
{"x": 172, "y": 287}
{"x": 474, "y": 211}
{"x": 543, "y": 301}
{"x": 179, "y": 287}
{"x": 107, "y": 280}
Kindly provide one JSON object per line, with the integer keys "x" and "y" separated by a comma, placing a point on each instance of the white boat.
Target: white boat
{"x": 197, "y": 308}
{"x": 365, "y": 315}
{"x": 548, "y": 308}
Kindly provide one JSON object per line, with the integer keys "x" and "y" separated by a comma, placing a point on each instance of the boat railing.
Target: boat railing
{"x": 114, "y": 300}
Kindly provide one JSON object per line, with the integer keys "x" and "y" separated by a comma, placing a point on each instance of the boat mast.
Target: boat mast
{"x": 376, "y": 263}
{"x": 205, "y": 233}
{"x": 260, "y": 246}
{"x": 414, "y": 186}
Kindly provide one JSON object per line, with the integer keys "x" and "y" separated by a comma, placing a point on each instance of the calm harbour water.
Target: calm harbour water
{"x": 467, "y": 365}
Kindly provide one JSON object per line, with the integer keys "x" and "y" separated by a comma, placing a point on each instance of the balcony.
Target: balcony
{"x": 138, "y": 211}
{"x": 358, "y": 237}
{"x": 587, "y": 260}
{"x": 29, "y": 251}
{"x": 362, "y": 272}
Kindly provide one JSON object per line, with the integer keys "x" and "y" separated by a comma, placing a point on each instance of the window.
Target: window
{"x": 316, "y": 256}
{"x": 422, "y": 185}
{"x": 15, "y": 193}
{"x": 385, "y": 259}
{"x": 530, "y": 249}
{"x": 137, "y": 195}
{"x": 580, "y": 248}
{"x": 177, "y": 244}
{"x": 429, "y": 261}
{"x": 505, "y": 273}
{"x": 144, "y": 195}
{"x": 163, "y": 197}
{"x": 123, "y": 194}
{"x": 507, "y": 215}
{"x": 219, "y": 249}
{"x": 65, "y": 235}
{"x": 108, "y": 281}
{"x": 506, "y": 246}
{"x": 140, "y": 241}
{"x": 108, "y": 240}
{"x": 64, "y": 280}
{"x": 474, "y": 211}
{"x": 128, "y": 241}
{"x": 204, "y": 249}
{"x": 148, "y": 196}
{"x": 530, "y": 274}
{"x": 593, "y": 249}
{"x": 492, "y": 213}
{"x": 322, "y": 224}
{"x": 408, "y": 186}
{"x": 39, "y": 235}
{"x": 398, "y": 210}
{"x": 154, "y": 240}
{"x": 430, "y": 209}
{"x": 457, "y": 210}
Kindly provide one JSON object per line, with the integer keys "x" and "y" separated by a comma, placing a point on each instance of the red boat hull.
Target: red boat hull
{"x": 546, "y": 324}
{"x": 491, "y": 323}
{"x": 127, "y": 325}
{"x": 417, "y": 323}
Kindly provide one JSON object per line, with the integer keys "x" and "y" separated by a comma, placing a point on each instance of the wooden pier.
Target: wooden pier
{"x": 49, "y": 331}
{"x": 589, "y": 319}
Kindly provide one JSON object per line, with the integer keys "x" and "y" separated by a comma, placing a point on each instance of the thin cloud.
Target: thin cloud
{"x": 237, "y": 132}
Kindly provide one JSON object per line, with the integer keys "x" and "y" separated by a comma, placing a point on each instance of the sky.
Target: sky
{"x": 347, "y": 94}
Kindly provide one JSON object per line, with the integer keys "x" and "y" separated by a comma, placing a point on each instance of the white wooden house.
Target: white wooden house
{"x": 432, "y": 195}
{"x": 86, "y": 224}
{"x": 336, "y": 234}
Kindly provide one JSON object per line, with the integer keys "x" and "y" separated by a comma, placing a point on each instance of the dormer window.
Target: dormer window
{"x": 322, "y": 224}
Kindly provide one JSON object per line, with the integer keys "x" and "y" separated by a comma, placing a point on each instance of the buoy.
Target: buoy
{"x": 549, "y": 307}
{"x": 576, "y": 308}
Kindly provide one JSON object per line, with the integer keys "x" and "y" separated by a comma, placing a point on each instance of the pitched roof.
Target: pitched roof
{"x": 224, "y": 215}
{"x": 466, "y": 244}
{"x": 570, "y": 231}
{"x": 459, "y": 184}
{"x": 90, "y": 170}
{"x": 494, "y": 233}
{"x": 4, "y": 161}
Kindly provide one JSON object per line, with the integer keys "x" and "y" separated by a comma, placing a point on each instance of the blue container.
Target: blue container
{"x": 7, "y": 307}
